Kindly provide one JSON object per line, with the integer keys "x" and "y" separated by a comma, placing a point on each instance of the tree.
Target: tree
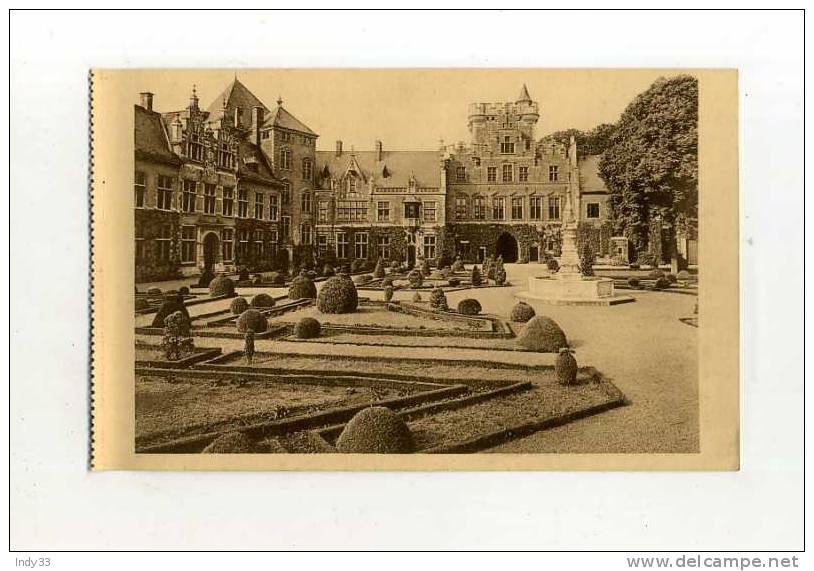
{"x": 593, "y": 142}
{"x": 651, "y": 164}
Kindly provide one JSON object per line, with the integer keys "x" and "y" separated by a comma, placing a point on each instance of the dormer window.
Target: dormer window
{"x": 351, "y": 182}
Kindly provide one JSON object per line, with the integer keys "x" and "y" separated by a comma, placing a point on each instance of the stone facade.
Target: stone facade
{"x": 240, "y": 184}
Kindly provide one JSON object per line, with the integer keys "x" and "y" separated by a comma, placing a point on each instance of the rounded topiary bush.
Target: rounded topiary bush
{"x": 542, "y": 334}
{"x": 655, "y": 274}
{"x": 307, "y": 328}
{"x": 469, "y": 306}
{"x": 426, "y": 270}
{"x": 238, "y": 305}
{"x": 566, "y": 367}
{"x": 141, "y": 304}
{"x": 438, "y": 300}
{"x": 262, "y": 300}
{"x": 183, "y": 290}
{"x": 522, "y": 312}
{"x": 154, "y": 291}
{"x": 671, "y": 278}
{"x": 302, "y": 287}
{"x": 338, "y": 295}
{"x": 633, "y": 282}
{"x": 230, "y": 443}
{"x": 221, "y": 286}
{"x": 257, "y": 280}
{"x": 475, "y": 277}
{"x": 376, "y": 430}
{"x": 415, "y": 278}
{"x": 454, "y": 282}
{"x": 683, "y": 276}
{"x": 553, "y": 265}
{"x": 662, "y": 283}
{"x": 252, "y": 319}
{"x": 243, "y": 274}
{"x": 416, "y": 296}
{"x": 205, "y": 279}
{"x": 170, "y": 305}
{"x": 395, "y": 265}
{"x": 634, "y": 266}
{"x": 388, "y": 293}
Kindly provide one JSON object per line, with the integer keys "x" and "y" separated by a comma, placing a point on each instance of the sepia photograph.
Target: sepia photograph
{"x": 445, "y": 262}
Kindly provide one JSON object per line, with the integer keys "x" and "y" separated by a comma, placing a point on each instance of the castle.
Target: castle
{"x": 240, "y": 184}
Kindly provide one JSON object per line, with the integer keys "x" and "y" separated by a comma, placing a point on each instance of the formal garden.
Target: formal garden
{"x": 420, "y": 360}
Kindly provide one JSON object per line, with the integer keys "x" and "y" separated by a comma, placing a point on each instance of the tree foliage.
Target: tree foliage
{"x": 651, "y": 164}
{"x": 593, "y": 142}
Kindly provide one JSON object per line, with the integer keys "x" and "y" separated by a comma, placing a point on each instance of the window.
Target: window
{"x": 194, "y": 148}
{"x": 506, "y": 146}
{"x": 164, "y": 192}
{"x": 164, "y": 242}
{"x": 258, "y": 243}
{"x": 508, "y": 173}
{"x": 383, "y": 247}
{"x": 322, "y": 211}
{"x": 536, "y": 207}
{"x": 351, "y": 211}
{"x": 322, "y": 243}
{"x": 479, "y": 210}
{"x": 351, "y": 183}
{"x": 286, "y": 192}
{"x": 593, "y": 209}
{"x": 285, "y": 227}
{"x": 307, "y": 169}
{"x": 460, "y": 208}
{"x": 305, "y": 202}
{"x": 139, "y": 231}
{"x": 259, "y": 199}
{"x": 228, "y": 201}
{"x": 460, "y": 174}
{"x": 227, "y": 236}
{"x": 554, "y": 207}
{"x": 273, "y": 207}
{"x": 209, "y": 198}
{"x": 430, "y": 212}
{"x": 553, "y": 173}
{"x": 274, "y": 238}
{"x": 285, "y": 159}
{"x": 188, "y": 196}
{"x": 411, "y": 210}
{"x": 498, "y": 208}
{"x": 242, "y": 244}
{"x": 187, "y": 244}
{"x": 286, "y": 137}
{"x": 491, "y": 174}
{"x": 476, "y": 160}
{"x": 383, "y": 211}
{"x": 523, "y": 174}
{"x": 360, "y": 245}
{"x": 140, "y": 187}
{"x": 242, "y": 204}
{"x": 517, "y": 208}
{"x": 341, "y": 245}
{"x": 429, "y": 247}
{"x": 306, "y": 236}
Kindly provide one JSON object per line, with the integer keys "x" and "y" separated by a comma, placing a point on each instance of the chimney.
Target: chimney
{"x": 237, "y": 117}
{"x": 378, "y": 150}
{"x": 257, "y": 122}
{"x": 147, "y": 100}
{"x": 338, "y": 148}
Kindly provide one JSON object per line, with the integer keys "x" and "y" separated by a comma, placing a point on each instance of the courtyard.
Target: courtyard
{"x": 642, "y": 350}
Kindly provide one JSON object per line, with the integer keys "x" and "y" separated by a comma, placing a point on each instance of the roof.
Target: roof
{"x": 425, "y": 166}
{"x": 589, "y": 179}
{"x": 250, "y": 154}
{"x": 151, "y": 141}
{"x": 235, "y": 95}
{"x": 524, "y": 95}
{"x": 282, "y": 118}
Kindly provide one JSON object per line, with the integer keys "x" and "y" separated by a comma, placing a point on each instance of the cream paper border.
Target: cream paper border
{"x": 113, "y": 94}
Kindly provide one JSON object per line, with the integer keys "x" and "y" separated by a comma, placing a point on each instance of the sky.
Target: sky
{"x": 406, "y": 108}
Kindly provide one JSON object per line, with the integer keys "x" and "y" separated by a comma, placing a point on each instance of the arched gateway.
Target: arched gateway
{"x": 506, "y": 246}
{"x": 210, "y": 251}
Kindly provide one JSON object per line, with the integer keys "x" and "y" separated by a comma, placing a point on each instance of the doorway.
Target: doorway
{"x": 210, "y": 251}
{"x": 507, "y": 247}
{"x": 411, "y": 255}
